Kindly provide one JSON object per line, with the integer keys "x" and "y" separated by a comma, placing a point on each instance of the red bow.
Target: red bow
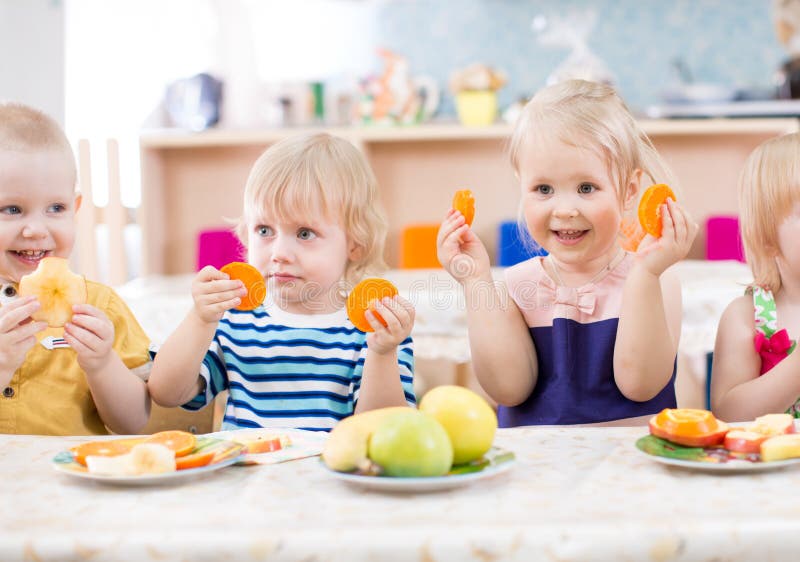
{"x": 773, "y": 349}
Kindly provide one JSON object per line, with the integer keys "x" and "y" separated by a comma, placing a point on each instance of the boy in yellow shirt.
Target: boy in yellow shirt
{"x": 97, "y": 383}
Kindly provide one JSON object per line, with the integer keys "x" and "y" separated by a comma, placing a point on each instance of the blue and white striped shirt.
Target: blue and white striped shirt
{"x": 289, "y": 370}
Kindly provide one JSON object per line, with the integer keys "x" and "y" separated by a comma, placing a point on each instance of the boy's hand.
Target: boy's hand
{"x": 459, "y": 250}
{"x": 677, "y": 234}
{"x": 214, "y": 293}
{"x": 17, "y": 332}
{"x": 91, "y": 334}
{"x": 398, "y": 313}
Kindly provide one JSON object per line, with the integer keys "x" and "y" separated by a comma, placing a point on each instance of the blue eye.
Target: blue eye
{"x": 11, "y": 210}
{"x": 264, "y": 230}
{"x": 544, "y": 189}
{"x": 586, "y": 188}
{"x": 306, "y": 234}
{"x": 57, "y": 208}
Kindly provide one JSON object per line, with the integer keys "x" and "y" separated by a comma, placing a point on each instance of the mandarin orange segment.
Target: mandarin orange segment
{"x": 56, "y": 288}
{"x": 650, "y": 207}
{"x": 361, "y": 299}
{"x": 195, "y": 460}
{"x": 631, "y": 234}
{"x": 253, "y": 281}
{"x": 464, "y": 202}
{"x": 182, "y": 442}
{"x": 100, "y": 449}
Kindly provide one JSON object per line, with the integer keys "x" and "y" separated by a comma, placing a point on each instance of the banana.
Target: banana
{"x": 346, "y": 447}
{"x": 150, "y": 458}
{"x": 57, "y": 290}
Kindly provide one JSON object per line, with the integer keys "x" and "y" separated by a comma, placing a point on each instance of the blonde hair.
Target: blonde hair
{"x": 769, "y": 187}
{"x": 25, "y": 129}
{"x": 592, "y": 116}
{"x": 316, "y": 175}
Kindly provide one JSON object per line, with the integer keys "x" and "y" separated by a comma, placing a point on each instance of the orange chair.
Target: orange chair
{"x": 418, "y": 246}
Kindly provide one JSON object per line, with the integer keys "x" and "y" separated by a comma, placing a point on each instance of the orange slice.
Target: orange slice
{"x": 464, "y": 202}
{"x": 650, "y": 207}
{"x": 182, "y": 442}
{"x": 631, "y": 234}
{"x": 253, "y": 282}
{"x": 361, "y": 298}
{"x": 195, "y": 460}
{"x": 100, "y": 449}
{"x": 57, "y": 290}
{"x": 688, "y": 426}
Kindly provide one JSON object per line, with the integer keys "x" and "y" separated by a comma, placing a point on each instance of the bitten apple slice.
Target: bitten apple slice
{"x": 741, "y": 441}
{"x": 772, "y": 424}
{"x": 57, "y": 290}
{"x": 780, "y": 447}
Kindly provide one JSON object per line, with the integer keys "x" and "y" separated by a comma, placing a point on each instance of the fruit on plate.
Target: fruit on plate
{"x": 468, "y": 419}
{"x": 689, "y": 427}
{"x": 362, "y": 297}
{"x": 143, "y": 458}
{"x": 263, "y": 442}
{"x": 56, "y": 288}
{"x": 411, "y": 444}
{"x": 194, "y": 460}
{"x": 253, "y": 281}
{"x": 345, "y": 450}
{"x": 464, "y": 202}
{"x": 181, "y": 442}
{"x": 781, "y": 447}
{"x": 743, "y": 441}
{"x": 100, "y": 449}
{"x": 772, "y": 424}
{"x": 650, "y": 207}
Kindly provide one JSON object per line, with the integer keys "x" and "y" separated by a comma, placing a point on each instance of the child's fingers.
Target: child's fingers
{"x": 210, "y": 273}
{"x": 402, "y": 309}
{"x": 86, "y": 340}
{"x": 77, "y": 345}
{"x": 22, "y": 332}
{"x": 679, "y": 222}
{"x": 667, "y": 224}
{"x": 14, "y": 313}
{"x": 100, "y": 327}
{"x": 388, "y": 315}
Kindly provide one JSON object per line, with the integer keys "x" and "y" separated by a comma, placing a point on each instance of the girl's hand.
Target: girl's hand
{"x": 398, "y": 313}
{"x": 214, "y": 292}
{"x": 17, "y": 334}
{"x": 91, "y": 334}
{"x": 677, "y": 234}
{"x": 459, "y": 250}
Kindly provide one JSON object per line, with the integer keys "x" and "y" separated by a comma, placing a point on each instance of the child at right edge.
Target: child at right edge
{"x": 755, "y": 371}
{"x": 590, "y": 332}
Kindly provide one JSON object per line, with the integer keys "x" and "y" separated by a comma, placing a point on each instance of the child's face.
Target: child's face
{"x": 788, "y": 235}
{"x": 302, "y": 260}
{"x": 37, "y": 209}
{"x": 569, "y": 201}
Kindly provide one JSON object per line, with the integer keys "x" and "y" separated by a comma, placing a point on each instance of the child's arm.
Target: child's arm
{"x": 380, "y": 383}
{"x": 174, "y": 379}
{"x": 16, "y": 337}
{"x": 120, "y": 395}
{"x": 738, "y": 393}
{"x": 503, "y": 355}
{"x": 650, "y": 319}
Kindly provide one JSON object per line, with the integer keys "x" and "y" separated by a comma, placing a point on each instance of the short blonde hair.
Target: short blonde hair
{"x": 26, "y": 129}
{"x": 315, "y": 175}
{"x": 769, "y": 188}
{"x": 592, "y": 116}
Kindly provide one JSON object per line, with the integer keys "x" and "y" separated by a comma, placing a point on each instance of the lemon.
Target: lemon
{"x": 468, "y": 419}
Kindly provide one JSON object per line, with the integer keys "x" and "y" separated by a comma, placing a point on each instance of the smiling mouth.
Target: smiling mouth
{"x": 569, "y": 234}
{"x": 31, "y": 254}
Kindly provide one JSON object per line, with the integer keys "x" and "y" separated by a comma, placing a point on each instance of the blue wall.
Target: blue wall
{"x": 728, "y": 41}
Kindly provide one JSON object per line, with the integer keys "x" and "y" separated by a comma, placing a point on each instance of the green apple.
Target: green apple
{"x": 468, "y": 419}
{"x": 411, "y": 443}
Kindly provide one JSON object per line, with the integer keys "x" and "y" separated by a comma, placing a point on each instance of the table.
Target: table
{"x": 574, "y": 494}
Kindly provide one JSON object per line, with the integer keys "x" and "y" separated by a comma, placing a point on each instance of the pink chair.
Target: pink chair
{"x": 218, "y": 247}
{"x": 723, "y": 241}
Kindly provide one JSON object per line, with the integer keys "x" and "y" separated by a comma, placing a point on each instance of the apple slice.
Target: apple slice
{"x": 786, "y": 446}
{"x": 772, "y": 424}
{"x": 57, "y": 290}
{"x": 741, "y": 441}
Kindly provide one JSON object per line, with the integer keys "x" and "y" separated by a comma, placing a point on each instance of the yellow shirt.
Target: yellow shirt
{"x": 49, "y": 395}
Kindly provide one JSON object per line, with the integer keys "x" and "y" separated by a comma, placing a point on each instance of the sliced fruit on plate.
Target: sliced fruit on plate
{"x": 689, "y": 427}
{"x": 772, "y": 424}
{"x": 194, "y": 460}
{"x": 56, "y": 288}
{"x": 100, "y": 449}
{"x": 181, "y": 442}
{"x": 781, "y": 447}
{"x": 743, "y": 441}
{"x": 264, "y": 443}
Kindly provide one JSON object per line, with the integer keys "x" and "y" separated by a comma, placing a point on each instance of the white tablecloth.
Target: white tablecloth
{"x": 574, "y": 494}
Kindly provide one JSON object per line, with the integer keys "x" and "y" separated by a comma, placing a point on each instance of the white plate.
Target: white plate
{"x": 730, "y": 467}
{"x": 227, "y": 452}
{"x": 430, "y": 484}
